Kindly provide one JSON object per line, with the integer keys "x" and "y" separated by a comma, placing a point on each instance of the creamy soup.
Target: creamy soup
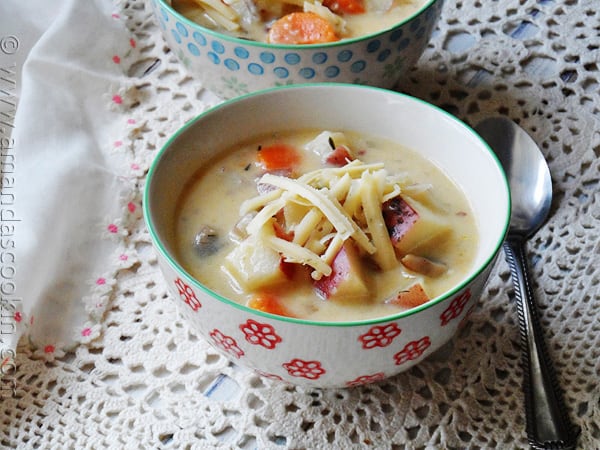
{"x": 297, "y": 21}
{"x": 327, "y": 226}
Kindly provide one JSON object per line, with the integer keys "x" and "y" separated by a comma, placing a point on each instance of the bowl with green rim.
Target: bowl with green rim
{"x": 320, "y": 353}
{"x": 230, "y": 66}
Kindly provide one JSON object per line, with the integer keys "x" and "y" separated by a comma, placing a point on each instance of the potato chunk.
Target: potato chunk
{"x": 412, "y": 225}
{"x": 325, "y": 143}
{"x": 346, "y": 283}
{"x": 253, "y": 264}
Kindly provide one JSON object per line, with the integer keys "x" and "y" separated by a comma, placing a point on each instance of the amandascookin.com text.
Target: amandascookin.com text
{"x": 9, "y": 222}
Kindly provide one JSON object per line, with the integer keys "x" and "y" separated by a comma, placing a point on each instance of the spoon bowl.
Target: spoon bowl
{"x": 548, "y": 424}
{"x": 526, "y": 170}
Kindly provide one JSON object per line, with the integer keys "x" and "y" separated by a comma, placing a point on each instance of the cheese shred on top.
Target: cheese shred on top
{"x": 320, "y": 198}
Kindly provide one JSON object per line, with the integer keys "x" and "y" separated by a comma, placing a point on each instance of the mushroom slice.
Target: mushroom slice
{"x": 206, "y": 241}
{"x": 424, "y": 266}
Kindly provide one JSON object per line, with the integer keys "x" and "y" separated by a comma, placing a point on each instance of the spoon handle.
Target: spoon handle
{"x": 548, "y": 424}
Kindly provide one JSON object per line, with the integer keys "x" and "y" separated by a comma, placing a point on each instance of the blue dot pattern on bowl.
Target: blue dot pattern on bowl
{"x": 332, "y": 71}
{"x": 307, "y": 73}
{"x": 358, "y": 66}
{"x": 385, "y": 54}
{"x": 193, "y": 49}
{"x": 181, "y": 29}
{"x": 267, "y": 59}
{"x": 373, "y": 46}
{"x": 281, "y": 72}
{"x": 176, "y": 36}
{"x": 231, "y": 64}
{"x": 241, "y": 52}
{"x": 320, "y": 58}
{"x": 199, "y": 38}
{"x": 382, "y": 54}
{"x": 163, "y": 14}
{"x": 217, "y": 47}
{"x": 256, "y": 69}
{"x": 344, "y": 56}
{"x": 292, "y": 58}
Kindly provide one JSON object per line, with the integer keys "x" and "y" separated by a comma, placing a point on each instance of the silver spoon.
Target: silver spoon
{"x": 548, "y": 424}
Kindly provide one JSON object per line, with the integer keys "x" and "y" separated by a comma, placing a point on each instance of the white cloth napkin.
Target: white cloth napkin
{"x": 66, "y": 187}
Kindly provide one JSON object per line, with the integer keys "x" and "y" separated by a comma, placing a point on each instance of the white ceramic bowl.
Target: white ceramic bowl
{"x": 231, "y": 66}
{"x": 332, "y": 354}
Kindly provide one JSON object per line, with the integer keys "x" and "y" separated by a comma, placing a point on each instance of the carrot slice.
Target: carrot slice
{"x": 413, "y": 296}
{"x": 345, "y": 6}
{"x": 268, "y": 303}
{"x": 302, "y": 28}
{"x": 278, "y": 157}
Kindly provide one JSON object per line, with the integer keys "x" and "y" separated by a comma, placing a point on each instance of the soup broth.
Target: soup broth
{"x": 287, "y": 22}
{"x": 249, "y": 223}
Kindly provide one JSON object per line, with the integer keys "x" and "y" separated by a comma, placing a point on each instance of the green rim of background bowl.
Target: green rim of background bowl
{"x": 409, "y": 312}
{"x": 226, "y": 37}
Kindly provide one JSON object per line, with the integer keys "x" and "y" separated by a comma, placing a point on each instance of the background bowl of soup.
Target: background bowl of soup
{"x": 340, "y": 351}
{"x": 385, "y": 48}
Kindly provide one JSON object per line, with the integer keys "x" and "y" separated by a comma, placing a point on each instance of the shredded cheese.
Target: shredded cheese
{"x": 306, "y": 226}
{"x": 298, "y": 254}
{"x": 325, "y": 208}
{"x": 256, "y": 203}
{"x": 264, "y": 215}
{"x": 385, "y": 255}
{"x": 321, "y": 200}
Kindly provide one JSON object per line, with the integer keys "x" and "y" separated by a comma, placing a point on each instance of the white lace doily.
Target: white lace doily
{"x": 145, "y": 380}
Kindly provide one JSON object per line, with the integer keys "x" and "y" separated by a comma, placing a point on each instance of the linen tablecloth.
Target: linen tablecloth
{"x": 93, "y": 352}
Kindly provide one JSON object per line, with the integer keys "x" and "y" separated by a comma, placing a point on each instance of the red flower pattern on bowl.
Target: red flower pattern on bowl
{"x": 305, "y": 369}
{"x": 226, "y": 343}
{"x": 365, "y": 379}
{"x": 260, "y": 334}
{"x": 270, "y": 376}
{"x": 455, "y": 308}
{"x": 379, "y": 335}
{"x": 187, "y": 294}
{"x": 412, "y": 350}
